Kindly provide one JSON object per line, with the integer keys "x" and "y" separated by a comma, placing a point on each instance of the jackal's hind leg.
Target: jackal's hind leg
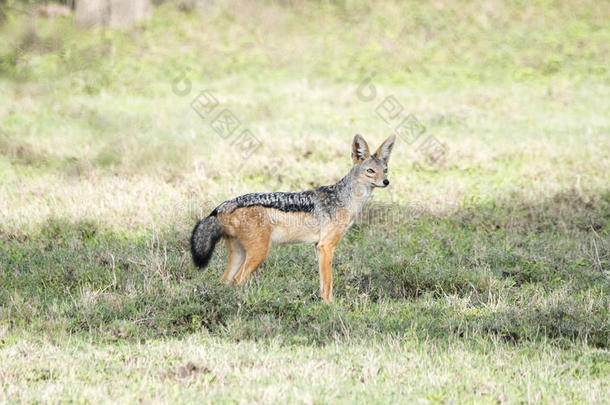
{"x": 257, "y": 249}
{"x": 237, "y": 256}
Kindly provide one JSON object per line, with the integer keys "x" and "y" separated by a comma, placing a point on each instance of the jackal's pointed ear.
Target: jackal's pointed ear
{"x": 360, "y": 149}
{"x": 385, "y": 149}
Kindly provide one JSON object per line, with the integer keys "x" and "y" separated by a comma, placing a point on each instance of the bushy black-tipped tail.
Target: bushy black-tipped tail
{"x": 204, "y": 238}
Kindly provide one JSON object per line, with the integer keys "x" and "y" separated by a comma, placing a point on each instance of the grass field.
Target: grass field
{"x": 482, "y": 277}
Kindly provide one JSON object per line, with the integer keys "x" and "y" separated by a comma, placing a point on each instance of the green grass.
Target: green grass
{"x": 483, "y": 278}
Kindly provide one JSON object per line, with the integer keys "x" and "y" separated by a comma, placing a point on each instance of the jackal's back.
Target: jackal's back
{"x": 302, "y": 201}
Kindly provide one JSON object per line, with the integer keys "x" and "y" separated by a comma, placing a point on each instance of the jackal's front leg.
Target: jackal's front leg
{"x": 325, "y": 259}
{"x": 331, "y": 235}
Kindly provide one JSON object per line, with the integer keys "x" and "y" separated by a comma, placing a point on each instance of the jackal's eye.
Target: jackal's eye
{"x": 369, "y": 170}
{"x": 385, "y": 170}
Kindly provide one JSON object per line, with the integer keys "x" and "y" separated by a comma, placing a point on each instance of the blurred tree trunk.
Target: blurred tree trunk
{"x": 2, "y": 12}
{"x": 111, "y": 13}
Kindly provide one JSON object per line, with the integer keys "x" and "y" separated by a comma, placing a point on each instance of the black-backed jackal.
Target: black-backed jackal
{"x": 251, "y": 222}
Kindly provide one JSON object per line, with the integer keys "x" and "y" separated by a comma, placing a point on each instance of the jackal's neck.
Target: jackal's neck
{"x": 354, "y": 192}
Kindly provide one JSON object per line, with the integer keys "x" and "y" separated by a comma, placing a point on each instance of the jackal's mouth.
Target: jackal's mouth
{"x": 383, "y": 184}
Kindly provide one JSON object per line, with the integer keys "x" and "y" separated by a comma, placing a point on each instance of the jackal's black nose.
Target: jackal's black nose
{"x": 386, "y": 182}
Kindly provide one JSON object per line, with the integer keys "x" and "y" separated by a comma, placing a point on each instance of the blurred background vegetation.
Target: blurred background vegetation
{"x": 501, "y": 249}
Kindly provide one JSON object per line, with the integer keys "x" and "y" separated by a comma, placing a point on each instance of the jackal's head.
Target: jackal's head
{"x": 372, "y": 169}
